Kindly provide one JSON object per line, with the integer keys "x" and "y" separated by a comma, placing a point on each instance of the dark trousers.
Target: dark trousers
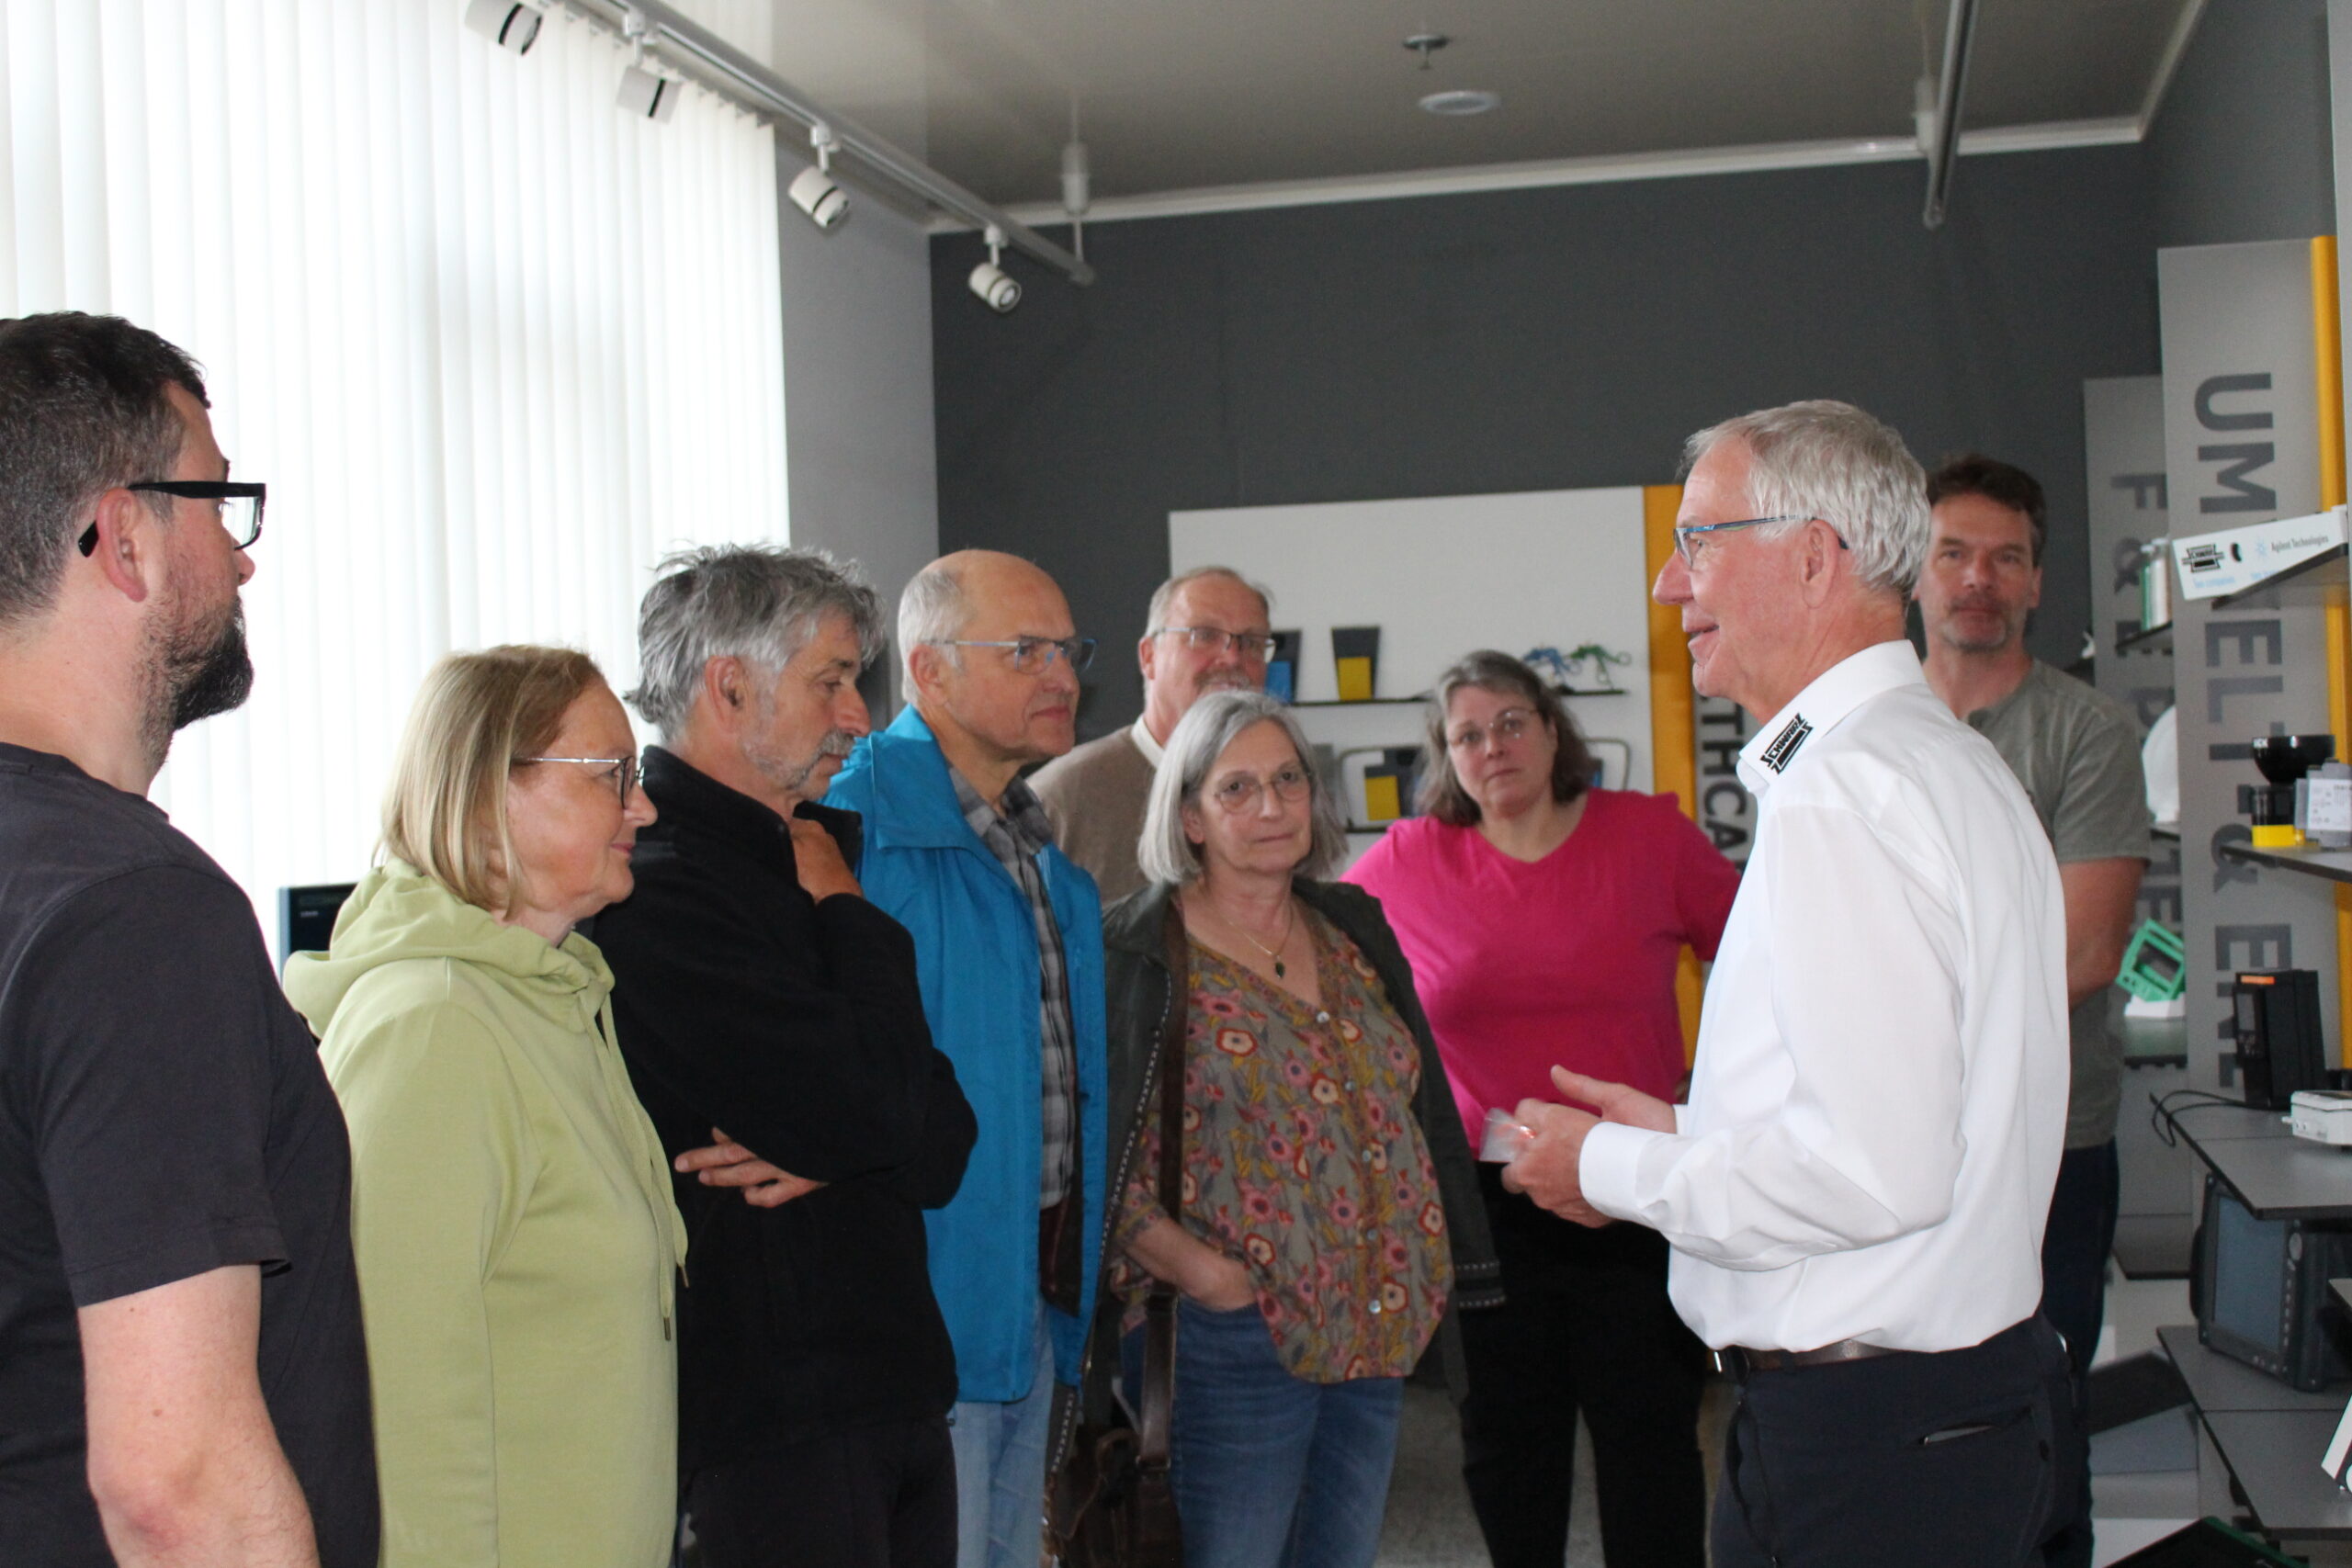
{"x": 880, "y": 1497}
{"x": 2073, "y": 1298}
{"x": 1946, "y": 1460}
{"x": 1586, "y": 1326}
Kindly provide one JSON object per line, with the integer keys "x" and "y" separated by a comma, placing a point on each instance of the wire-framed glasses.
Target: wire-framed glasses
{"x": 1242, "y": 792}
{"x": 237, "y": 504}
{"x": 1689, "y": 540}
{"x": 1506, "y": 726}
{"x": 1034, "y": 655}
{"x": 1214, "y": 640}
{"x": 624, "y": 770}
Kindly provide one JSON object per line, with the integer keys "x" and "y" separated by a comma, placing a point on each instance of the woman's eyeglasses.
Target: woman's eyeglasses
{"x": 625, "y": 770}
{"x": 1242, "y": 792}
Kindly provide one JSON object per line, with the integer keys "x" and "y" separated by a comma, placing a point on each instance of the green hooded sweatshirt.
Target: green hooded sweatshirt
{"x": 516, "y": 1239}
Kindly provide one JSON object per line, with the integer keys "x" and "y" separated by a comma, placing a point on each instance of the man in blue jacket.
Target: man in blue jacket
{"x": 1008, "y": 952}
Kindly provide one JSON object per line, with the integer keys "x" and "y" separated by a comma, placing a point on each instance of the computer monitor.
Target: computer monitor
{"x": 2261, "y": 1292}
{"x": 306, "y": 917}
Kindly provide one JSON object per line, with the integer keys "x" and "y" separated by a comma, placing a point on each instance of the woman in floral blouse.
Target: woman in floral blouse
{"x": 1330, "y": 1213}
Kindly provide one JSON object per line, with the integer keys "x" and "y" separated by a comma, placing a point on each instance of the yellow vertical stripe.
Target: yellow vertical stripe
{"x": 2327, "y": 352}
{"x": 1674, "y": 759}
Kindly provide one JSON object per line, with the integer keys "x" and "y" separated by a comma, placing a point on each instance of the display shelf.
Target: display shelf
{"x": 2325, "y": 571}
{"x": 2155, "y": 1042}
{"x": 2165, "y": 830}
{"x": 2333, "y": 865}
{"x": 2148, "y": 638}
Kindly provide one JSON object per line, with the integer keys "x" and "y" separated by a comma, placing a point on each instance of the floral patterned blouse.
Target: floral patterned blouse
{"x": 1302, "y": 1158}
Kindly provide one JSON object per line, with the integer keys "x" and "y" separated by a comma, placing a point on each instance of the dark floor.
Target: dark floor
{"x": 1429, "y": 1523}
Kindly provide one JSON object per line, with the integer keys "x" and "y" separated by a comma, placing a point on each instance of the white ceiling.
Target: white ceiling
{"x": 1180, "y": 94}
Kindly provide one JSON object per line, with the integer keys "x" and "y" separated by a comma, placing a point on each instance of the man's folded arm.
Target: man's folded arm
{"x": 828, "y": 1081}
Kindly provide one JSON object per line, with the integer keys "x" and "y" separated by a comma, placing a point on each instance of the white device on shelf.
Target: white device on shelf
{"x": 2322, "y": 1116}
{"x": 2338, "y": 1457}
{"x": 2214, "y": 564}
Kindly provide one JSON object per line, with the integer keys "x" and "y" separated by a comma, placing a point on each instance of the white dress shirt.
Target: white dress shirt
{"x": 1880, "y": 1096}
{"x": 1152, "y": 751}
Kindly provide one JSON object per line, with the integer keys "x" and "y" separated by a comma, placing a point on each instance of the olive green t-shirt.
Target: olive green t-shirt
{"x": 2078, "y": 753}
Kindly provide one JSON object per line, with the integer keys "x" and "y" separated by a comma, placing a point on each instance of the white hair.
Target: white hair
{"x": 1155, "y": 619}
{"x": 1832, "y": 461}
{"x": 933, "y": 609}
{"x": 1163, "y": 851}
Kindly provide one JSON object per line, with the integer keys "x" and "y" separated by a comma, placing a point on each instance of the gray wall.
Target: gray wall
{"x": 860, "y": 449}
{"x": 1527, "y": 340}
{"x": 2240, "y": 148}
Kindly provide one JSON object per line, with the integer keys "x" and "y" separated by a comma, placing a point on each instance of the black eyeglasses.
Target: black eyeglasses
{"x": 238, "y": 507}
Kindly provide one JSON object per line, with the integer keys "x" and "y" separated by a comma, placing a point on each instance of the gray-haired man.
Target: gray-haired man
{"x": 758, "y": 992}
{"x": 1855, "y": 1193}
{"x": 1206, "y": 631}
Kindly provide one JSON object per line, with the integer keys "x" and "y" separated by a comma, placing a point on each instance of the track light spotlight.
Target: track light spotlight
{"x": 813, "y": 190}
{"x": 509, "y": 24}
{"x": 648, "y": 95}
{"x": 991, "y": 282}
{"x": 645, "y": 93}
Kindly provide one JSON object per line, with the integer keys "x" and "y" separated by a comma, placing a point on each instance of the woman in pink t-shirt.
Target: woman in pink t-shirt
{"x": 1543, "y": 919}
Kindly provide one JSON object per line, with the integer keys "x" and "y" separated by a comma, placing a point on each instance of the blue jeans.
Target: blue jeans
{"x": 1271, "y": 1471}
{"x": 1000, "y": 1470}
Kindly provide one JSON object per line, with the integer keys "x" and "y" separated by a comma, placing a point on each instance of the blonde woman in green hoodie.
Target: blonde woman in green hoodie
{"x": 510, "y": 1210}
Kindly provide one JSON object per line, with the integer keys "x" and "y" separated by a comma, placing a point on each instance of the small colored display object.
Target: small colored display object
{"x": 1567, "y": 666}
{"x": 1383, "y": 780}
{"x": 2156, "y": 966}
{"x": 1355, "y": 651}
{"x": 1281, "y": 670}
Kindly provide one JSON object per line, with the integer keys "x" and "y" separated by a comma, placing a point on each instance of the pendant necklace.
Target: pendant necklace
{"x": 1290, "y": 912}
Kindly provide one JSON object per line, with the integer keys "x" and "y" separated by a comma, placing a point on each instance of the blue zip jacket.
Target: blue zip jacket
{"x": 976, "y": 954}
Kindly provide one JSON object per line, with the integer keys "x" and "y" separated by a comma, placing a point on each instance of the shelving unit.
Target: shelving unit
{"x": 2334, "y": 865}
{"x": 2325, "y": 572}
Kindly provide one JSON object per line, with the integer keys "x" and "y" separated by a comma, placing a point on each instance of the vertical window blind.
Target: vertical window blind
{"x": 494, "y": 346}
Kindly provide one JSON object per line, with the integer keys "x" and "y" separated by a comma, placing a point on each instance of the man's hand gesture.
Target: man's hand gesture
{"x": 1548, "y": 1168}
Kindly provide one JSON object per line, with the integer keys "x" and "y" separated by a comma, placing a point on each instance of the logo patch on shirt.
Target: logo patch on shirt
{"x": 1778, "y": 755}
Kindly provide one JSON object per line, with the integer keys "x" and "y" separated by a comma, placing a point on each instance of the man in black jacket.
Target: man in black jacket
{"x": 768, "y": 1012}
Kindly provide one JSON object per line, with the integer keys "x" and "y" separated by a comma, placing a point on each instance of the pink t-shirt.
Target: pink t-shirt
{"x": 1569, "y": 960}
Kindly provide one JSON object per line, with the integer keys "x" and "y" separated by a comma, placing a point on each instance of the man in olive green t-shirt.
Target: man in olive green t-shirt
{"x": 2077, "y": 754}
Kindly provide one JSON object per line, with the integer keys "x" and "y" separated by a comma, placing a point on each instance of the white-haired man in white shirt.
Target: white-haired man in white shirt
{"x": 1857, "y": 1189}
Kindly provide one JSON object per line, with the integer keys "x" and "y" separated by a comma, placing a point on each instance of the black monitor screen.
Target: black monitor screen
{"x": 2249, "y": 1274}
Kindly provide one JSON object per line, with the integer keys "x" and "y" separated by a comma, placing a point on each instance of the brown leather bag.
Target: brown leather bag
{"x": 1111, "y": 1504}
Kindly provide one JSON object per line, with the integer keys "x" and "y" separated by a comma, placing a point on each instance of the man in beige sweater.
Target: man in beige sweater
{"x": 1208, "y": 631}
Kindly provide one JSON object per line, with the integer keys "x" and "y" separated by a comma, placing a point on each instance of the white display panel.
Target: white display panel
{"x": 1440, "y": 576}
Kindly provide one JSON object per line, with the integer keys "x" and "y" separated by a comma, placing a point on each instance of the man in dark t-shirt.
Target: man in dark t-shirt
{"x": 182, "y": 1377}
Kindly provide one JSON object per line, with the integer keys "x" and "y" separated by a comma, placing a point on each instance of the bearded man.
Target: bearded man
{"x": 773, "y": 1022}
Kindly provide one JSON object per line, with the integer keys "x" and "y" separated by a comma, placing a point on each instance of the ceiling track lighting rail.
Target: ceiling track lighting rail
{"x": 1960, "y": 34}
{"x": 732, "y": 74}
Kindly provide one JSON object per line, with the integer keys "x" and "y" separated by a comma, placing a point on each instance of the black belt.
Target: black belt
{"x": 1739, "y": 1361}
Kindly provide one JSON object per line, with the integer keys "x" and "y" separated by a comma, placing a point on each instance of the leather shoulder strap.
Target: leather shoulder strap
{"x": 1154, "y": 1409}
